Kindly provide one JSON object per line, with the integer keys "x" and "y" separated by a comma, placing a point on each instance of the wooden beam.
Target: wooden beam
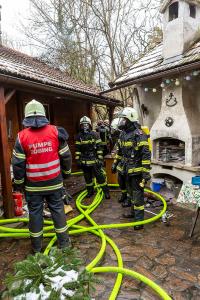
{"x": 5, "y": 161}
{"x": 110, "y": 113}
{"x": 9, "y": 95}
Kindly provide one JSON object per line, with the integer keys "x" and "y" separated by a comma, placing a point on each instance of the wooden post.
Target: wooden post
{"x": 5, "y": 161}
{"x": 110, "y": 113}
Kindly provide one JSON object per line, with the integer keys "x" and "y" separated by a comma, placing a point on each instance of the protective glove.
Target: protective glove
{"x": 146, "y": 177}
{"x": 66, "y": 197}
{"x": 114, "y": 168}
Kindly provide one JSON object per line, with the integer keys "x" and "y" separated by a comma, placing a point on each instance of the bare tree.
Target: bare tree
{"x": 93, "y": 40}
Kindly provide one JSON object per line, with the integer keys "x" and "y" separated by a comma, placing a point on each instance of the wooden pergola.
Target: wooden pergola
{"x": 66, "y": 105}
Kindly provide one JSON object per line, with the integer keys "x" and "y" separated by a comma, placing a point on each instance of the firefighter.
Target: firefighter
{"x": 133, "y": 161}
{"x": 41, "y": 160}
{"x": 103, "y": 129}
{"x": 115, "y": 134}
{"x": 89, "y": 156}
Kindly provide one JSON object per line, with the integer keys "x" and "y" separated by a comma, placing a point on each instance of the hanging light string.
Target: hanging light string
{"x": 170, "y": 82}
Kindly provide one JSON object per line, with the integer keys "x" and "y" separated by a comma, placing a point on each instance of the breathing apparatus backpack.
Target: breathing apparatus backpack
{"x": 146, "y": 130}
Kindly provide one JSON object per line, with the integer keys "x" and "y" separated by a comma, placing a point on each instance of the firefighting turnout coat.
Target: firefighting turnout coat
{"x": 88, "y": 148}
{"x": 41, "y": 159}
{"x": 133, "y": 152}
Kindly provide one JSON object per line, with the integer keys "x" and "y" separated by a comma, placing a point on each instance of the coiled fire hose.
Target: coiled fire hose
{"x": 96, "y": 229}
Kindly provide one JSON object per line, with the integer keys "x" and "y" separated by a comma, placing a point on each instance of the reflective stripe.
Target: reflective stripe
{"x": 65, "y": 149}
{"x": 66, "y": 172}
{"x": 104, "y": 143}
{"x": 124, "y": 191}
{"x": 87, "y": 142}
{"x": 19, "y": 155}
{"x": 146, "y": 170}
{"x": 135, "y": 170}
{"x": 77, "y": 157}
{"x": 118, "y": 156}
{"x": 127, "y": 144}
{"x": 41, "y": 166}
{"x": 60, "y": 230}
{"x": 115, "y": 161}
{"x": 78, "y": 152}
{"x": 88, "y": 162}
{"x": 119, "y": 168}
{"x": 143, "y": 144}
{"x": 98, "y": 141}
{"x": 103, "y": 184}
{"x": 99, "y": 152}
{"x": 90, "y": 184}
{"x": 146, "y": 162}
{"x": 77, "y": 143}
{"x": 45, "y": 173}
{"x": 139, "y": 207}
{"x": 43, "y": 188}
{"x": 19, "y": 181}
{"x": 36, "y": 234}
{"x": 100, "y": 157}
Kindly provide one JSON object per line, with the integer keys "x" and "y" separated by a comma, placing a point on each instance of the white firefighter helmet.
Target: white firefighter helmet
{"x": 85, "y": 120}
{"x": 129, "y": 113}
{"x": 34, "y": 108}
{"x": 115, "y": 123}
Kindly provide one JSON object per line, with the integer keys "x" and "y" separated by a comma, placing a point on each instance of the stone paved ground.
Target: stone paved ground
{"x": 163, "y": 253}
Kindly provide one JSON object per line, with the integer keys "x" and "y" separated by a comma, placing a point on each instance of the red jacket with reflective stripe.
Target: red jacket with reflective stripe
{"x": 41, "y": 148}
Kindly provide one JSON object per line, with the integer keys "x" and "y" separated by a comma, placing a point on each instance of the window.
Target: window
{"x": 173, "y": 11}
{"x": 192, "y": 10}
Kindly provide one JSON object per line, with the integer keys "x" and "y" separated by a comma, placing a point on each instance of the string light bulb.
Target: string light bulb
{"x": 154, "y": 90}
{"x": 146, "y": 90}
{"x": 167, "y": 81}
{"x": 162, "y": 85}
{"x": 188, "y": 77}
{"x": 177, "y": 82}
{"x": 195, "y": 73}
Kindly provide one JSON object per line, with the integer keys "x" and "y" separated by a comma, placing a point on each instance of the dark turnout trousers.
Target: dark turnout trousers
{"x": 56, "y": 206}
{"x": 91, "y": 172}
{"x": 136, "y": 193}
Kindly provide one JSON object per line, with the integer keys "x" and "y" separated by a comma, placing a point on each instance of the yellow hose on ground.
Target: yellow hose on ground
{"x": 85, "y": 212}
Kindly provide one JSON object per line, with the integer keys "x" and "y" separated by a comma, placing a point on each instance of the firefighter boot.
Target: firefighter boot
{"x": 129, "y": 215}
{"x": 139, "y": 216}
{"x": 127, "y": 202}
{"x": 36, "y": 243}
{"x": 90, "y": 192}
{"x": 106, "y": 192}
{"x": 123, "y": 198}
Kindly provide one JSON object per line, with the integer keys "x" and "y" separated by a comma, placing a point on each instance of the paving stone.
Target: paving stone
{"x": 176, "y": 284}
{"x": 166, "y": 259}
{"x": 148, "y": 294}
{"x": 160, "y": 272}
{"x": 132, "y": 295}
{"x": 144, "y": 262}
{"x": 183, "y": 274}
{"x": 152, "y": 252}
{"x": 195, "y": 253}
{"x": 145, "y": 272}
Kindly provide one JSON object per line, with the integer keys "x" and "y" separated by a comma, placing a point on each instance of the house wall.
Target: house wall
{"x": 152, "y": 101}
{"x": 12, "y": 122}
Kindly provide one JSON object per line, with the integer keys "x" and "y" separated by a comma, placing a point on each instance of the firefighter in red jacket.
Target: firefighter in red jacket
{"x": 41, "y": 160}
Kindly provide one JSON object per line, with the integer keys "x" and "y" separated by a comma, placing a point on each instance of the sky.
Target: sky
{"x": 12, "y": 13}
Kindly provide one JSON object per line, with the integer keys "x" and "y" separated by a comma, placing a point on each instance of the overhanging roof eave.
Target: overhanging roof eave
{"x": 20, "y": 82}
{"x": 152, "y": 76}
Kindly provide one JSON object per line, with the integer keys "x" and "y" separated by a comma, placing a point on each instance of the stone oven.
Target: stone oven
{"x": 166, "y": 85}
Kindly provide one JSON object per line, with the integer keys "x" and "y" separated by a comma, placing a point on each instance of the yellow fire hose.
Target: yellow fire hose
{"x": 85, "y": 212}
